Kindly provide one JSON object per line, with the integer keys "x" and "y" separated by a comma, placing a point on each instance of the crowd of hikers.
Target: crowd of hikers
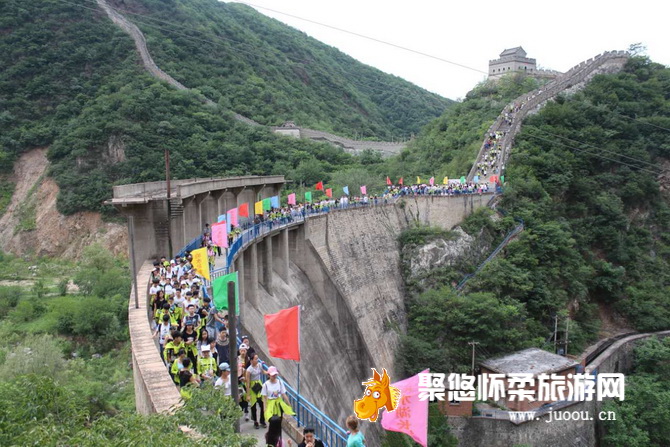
{"x": 193, "y": 335}
{"x": 194, "y": 341}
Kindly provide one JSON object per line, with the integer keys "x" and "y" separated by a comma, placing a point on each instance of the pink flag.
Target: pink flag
{"x": 291, "y": 199}
{"x": 411, "y": 415}
{"x": 432, "y": 181}
{"x": 232, "y": 216}
{"x": 364, "y": 190}
{"x": 220, "y": 234}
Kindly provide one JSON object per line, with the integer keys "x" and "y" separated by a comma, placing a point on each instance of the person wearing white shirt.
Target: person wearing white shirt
{"x": 223, "y": 381}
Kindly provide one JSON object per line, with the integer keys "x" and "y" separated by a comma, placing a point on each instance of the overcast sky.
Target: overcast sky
{"x": 472, "y": 32}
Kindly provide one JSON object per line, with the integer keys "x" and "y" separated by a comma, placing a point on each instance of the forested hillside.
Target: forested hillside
{"x": 272, "y": 73}
{"x": 71, "y": 80}
{"x": 584, "y": 177}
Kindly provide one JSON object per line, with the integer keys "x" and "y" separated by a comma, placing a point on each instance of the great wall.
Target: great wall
{"x": 343, "y": 267}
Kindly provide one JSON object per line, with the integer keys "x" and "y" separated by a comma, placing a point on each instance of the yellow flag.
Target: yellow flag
{"x": 418, "y": 180}
{"x": 258, "y": 207}
{"x": 445, "y": 181}
{"x": 200, "y": 262}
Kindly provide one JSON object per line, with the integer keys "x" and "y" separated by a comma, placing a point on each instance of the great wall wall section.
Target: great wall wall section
{"x": 571, "y": 81}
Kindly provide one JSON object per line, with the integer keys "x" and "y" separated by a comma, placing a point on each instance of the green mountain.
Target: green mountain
{"x": 72, "y": 81}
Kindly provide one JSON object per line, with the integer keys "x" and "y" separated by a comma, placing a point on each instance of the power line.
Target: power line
{"x": 594, "y": 154}
{"x": 374, "y": 39}
{"x": 637, "y": 160}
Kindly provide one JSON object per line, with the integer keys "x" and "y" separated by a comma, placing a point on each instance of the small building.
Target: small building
{"x": 288, "y": 129}
{"x": 512, "y": 60}
{"x": 531, "y": 361}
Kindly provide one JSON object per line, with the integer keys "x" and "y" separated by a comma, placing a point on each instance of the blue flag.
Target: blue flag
{"x": 346, "y": 190}
{"x": 274, "y": 201}
{"x": 221, "y": 217}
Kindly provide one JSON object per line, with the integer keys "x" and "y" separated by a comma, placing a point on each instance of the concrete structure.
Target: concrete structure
{"x": 193, "y": 203}
{"x": 531, "y": 361}
{"x": 288, "y": 129}
{"x": 343, "y": 267}
{"x": 512, "y": 60}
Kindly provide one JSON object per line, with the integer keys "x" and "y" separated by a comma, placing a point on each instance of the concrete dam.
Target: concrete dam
{"x": 342, "y": 267}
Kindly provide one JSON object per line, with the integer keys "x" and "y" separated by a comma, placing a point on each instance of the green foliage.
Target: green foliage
{"x": 422, "y": 234}
{"x": 101, "y": 274}
{"x": 35, "y": 410}
{"x": 640, "y": 418}
{"x": 439, "y": 432}
{"x": 40, "y": 355}
{"x": 441, "y": 323}
{"x": 6, "y": 191}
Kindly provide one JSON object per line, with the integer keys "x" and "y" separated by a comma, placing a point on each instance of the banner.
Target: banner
{"x": 411, "y": 415}
{"x": 274, "y": 201}
{"x": 364, "y": 190}
{"x": 345, "y": 190}
{"x": 200, "y": 262}
{"x": 388, "y": 181}
{"x": 475, "y": 179}
{"x": 329, "y": 192}
{"x": 220, "y": 291}
{"x": 243, "y": 210}
{"x": 258, "y": 207}
{"x": 319, "y": 186}
{"x": 418, "y": 180}
{"x": 220, "y": 234}
{"x": 308, "y": 196}
{"x": 400, "y": 182}
{"x": 432, "y": 181}
{"x": 291, "y": 199}
{"x": 283, "y": 332}
{"x": 267, "y": 204}
{"x": 445, "y": 181}
{"x": 221, "y": 218}
{"x": 463, "y": 180}
{"x": 502, "y": 179}
{"x": 232, "y": 217}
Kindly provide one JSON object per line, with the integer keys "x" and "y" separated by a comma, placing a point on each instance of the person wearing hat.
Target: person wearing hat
{"x": 224, "y": 379}
{"x": 206, "y": 364}
{"x": 275, "y": 400}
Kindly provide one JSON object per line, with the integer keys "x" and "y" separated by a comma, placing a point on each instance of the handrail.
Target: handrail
{"x": 516, "y": 230}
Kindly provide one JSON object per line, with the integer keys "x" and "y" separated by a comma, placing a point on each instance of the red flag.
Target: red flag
{"x": 243, "y": 210}
{"x": 319, "y": 186}
{"x": 388, "y": 181}
{"x": 400, "y": 181}
{"x": 283, "y": 331}
{"x": 329, "y": 192}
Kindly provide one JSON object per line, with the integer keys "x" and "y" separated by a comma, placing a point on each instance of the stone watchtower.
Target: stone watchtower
{"x": 512, "y": 60}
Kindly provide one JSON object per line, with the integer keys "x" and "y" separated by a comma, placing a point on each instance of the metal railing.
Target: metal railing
{"x": 518, "y": 229}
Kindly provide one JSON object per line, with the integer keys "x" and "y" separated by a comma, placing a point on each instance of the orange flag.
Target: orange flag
{"x": 319, "y": 186}
{"x": 243, "y": 210}
{"x": 388, "y": 180}
{"x": 283, "y": 332}
{"x": 329, "y": 192}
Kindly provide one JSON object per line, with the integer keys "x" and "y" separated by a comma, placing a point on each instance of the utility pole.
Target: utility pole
{"x": 567, "y": 328}
{"x": 232, "y": 346}
{"x": 131, "y": 232}
{"x": 555, "y": 333}
{"x": 169, "y": 205}
{"x": 473, "y": 343}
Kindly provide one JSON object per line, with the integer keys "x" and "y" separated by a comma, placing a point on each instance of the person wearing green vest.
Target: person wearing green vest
{"x": 177, "y": 365}
{"x": 172, "y": 347}
{"x": 206, "y": 364}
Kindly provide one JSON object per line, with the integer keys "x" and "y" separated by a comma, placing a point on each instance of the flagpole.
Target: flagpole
{"x": 298, "y": 397}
